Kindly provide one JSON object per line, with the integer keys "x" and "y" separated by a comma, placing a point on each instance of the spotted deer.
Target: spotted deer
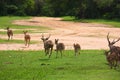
{"x": 9, "y": 33}
{"x": 60, "y": 47}
{"x": 26, "y": 38}
{"x": 77, "y": 48}
{"x": 48, "y": 45}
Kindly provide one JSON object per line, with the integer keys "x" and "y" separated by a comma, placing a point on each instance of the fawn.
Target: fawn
{"x": 26, "y": 38}
{"x": 77, "y": 48}
{"x": 9, "y": 33}
{"x": 59, "y": 47}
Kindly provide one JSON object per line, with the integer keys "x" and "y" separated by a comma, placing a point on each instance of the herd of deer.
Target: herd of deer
{"x": 112, "y": 56}
{"x": 48, "y": 44}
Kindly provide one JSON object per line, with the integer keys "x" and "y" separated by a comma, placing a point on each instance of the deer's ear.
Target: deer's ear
{"x": 74, "y": 44}
{"x": 42, "y": 38}
{"x": 46, "y": 38}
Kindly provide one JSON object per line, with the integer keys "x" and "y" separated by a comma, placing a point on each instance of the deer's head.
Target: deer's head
{"x": 25, "y": 32}
{"x": 7, "y": 28}
{"x": 113, "y": 42}
{"x": 56, "y": 41}
{"x": 45, "y": 38}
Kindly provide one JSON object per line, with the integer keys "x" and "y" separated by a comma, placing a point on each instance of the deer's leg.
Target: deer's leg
{"x": 28, "y": 42}
{"x": 11, "y": 37}
{"x": 56, "y": 53}
{"x": 79, "y": 52}
{"x": 45, "y": 52}
{"x": 116, "y": 64}
{"x": 25, "y": 42}
{"x": 50, "y": 52}
{"x": 8, "y": 37}
{"x": 111, "y": 65}
{"x": 61, "y": 53}
{"x": 75, "y": 52}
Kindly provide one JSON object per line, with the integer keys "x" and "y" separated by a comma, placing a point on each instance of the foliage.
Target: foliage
{"x": 34, "y": 65}
{"x": 112, "y": 22}
{"x": 7, "y": 21}
{"x": 108, "y": 9}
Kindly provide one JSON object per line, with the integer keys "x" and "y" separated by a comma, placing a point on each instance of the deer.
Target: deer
{"x": 112, "y": 59}
{"x": 60, "y": 47}
{"x": 77, "y": 49}
{"x": 9, "y": 33}
{"x": 26, "y": 38}
{"x": 48, "y": 45}
{"x": 114, "y": 52}
{"x": 111, "y": 46}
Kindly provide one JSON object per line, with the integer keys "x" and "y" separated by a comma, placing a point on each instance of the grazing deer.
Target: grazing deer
{"x": 26, "y": 38}
{"x": 48, "y": 45}
{"x": 77, "y": 48}
{"x": 9, "y": 33}
{"x": 59, "y": 47}
{"x": 112, "y": 59}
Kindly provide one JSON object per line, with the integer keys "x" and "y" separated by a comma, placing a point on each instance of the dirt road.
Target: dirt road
{"x": 88, "y": 35}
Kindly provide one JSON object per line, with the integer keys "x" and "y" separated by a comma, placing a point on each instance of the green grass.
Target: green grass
{"x": 113, "y": 23}
{"x": 5, "y": 41}
{"x": 7, "y": 21}
{"x": 34, "y": 65}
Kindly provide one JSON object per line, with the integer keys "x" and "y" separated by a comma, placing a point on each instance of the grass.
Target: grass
{"x": 114, "y": 22}
{"x": 34, "y": 65}
{"x": 5, "y": 41}
{"x": 6, "y": 21}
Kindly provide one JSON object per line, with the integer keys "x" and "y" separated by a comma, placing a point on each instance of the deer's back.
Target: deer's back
{"x": 27, "y": 37}
{"x": 112, "y": 57}
{"x": 10, "y": 32}
{"x": 77, "y": 47}
{"x": 60, "y": 46}
{"x": 48, "y": 44}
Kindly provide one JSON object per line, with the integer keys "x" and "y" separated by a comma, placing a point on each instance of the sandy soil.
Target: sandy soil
{"x": 88, "y": 35}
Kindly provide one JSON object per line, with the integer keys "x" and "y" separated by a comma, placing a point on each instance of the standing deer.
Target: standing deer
{"x": 9, "y": 33}
{"x": 114, "y": 52}
{"x": 26, "y": 38}
{"x": 113, "y": 48}
{"x": 59, "y": 47}
{"x": 48, "y": 45}
{"x": 77, "y": 48}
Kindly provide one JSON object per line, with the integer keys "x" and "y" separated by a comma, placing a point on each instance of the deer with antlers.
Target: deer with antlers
{"x": 113, "y": 48}
{"x": 26, "y": 38}
{"x": 77, "y": 48}
{"x": 59, "y": 47}
{"x": 48, "y": 45}
{"x": 114, "y": 52}
{"x": 9, "y": 33}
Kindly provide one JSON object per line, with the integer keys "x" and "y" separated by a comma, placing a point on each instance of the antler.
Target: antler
{"x": 115, "y": 41}
{"x": 48, "y": 36}
{"x": 108, "y": 38}
{"x": 42, "y": 35}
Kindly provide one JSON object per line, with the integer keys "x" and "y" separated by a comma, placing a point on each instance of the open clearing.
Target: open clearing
{"x": 88, "y": 35}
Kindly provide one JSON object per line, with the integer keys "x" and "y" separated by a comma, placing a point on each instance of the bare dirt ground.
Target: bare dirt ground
{"x": 88, "y": 35}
